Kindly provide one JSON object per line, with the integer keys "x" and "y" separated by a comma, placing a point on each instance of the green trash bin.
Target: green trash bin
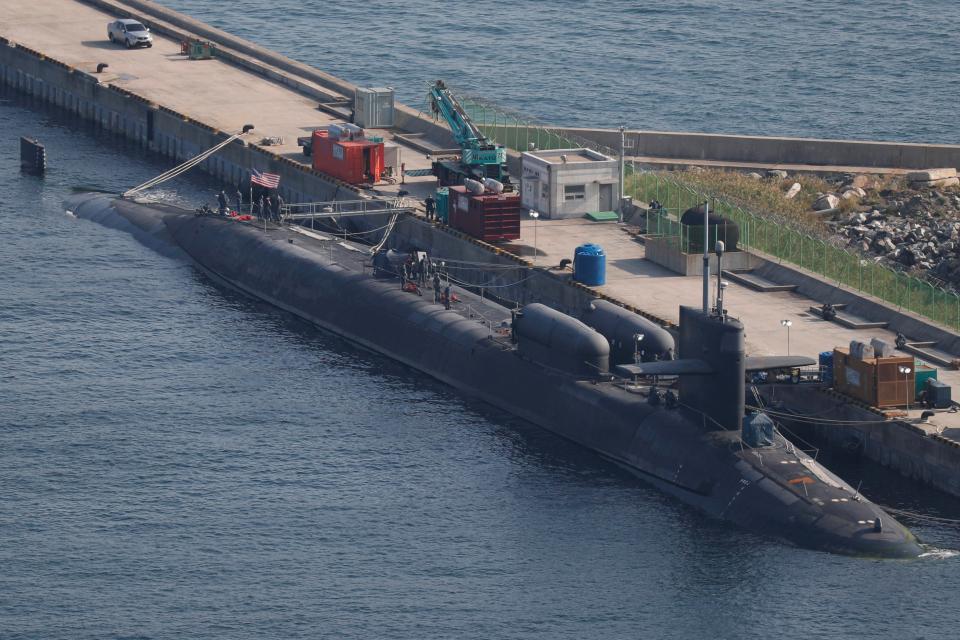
{"x": 442, "y": 197}
{"x": 922, "y": 374}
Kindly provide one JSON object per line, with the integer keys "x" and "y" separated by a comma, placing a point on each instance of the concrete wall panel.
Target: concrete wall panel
{"x": 774, "y": 150}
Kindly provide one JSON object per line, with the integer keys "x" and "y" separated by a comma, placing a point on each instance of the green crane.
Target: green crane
{"x": 480, "y": 157}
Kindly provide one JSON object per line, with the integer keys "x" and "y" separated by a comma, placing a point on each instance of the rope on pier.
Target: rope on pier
{"x": 488, "y": 284}
{"x": 799, "y": 417}
{"x": 386, "y": 234}
{"x": 181, "y": 168}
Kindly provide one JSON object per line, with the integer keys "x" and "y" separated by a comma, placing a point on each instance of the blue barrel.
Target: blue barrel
{"x": 826, "y": 367}
{"x": 590, "y": 265}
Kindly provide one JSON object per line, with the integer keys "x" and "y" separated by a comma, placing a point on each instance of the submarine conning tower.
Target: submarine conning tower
{"x": 716, "y": 341}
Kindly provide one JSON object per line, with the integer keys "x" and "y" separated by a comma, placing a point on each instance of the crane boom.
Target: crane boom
{"x": 464, "y": 131}
{"x": 476, "y": 148}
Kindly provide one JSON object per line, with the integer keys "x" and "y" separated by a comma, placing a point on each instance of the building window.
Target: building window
{"x": 574, "y": 192}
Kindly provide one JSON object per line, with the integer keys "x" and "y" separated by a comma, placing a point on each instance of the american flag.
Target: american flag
{"x": 268, "y": 180}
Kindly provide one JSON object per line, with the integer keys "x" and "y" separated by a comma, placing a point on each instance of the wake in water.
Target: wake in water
{"x": 938, "y": 554}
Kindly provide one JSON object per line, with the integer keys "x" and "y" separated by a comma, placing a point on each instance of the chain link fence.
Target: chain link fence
{"x": 766, "y": 233}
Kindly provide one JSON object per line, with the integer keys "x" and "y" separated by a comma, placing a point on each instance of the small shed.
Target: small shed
{"x": 568, "y": 183}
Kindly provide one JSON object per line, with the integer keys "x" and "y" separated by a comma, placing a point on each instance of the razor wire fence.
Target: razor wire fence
{"x": 767, "y": 233}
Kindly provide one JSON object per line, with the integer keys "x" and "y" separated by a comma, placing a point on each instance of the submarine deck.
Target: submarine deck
{"x": 356, "y": 257}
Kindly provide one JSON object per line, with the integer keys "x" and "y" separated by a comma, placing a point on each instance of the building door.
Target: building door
{"x": 606, "y": 197}
{"x": 531, "y": 193}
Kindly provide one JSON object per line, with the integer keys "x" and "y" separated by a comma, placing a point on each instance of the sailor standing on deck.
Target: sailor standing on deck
{"x": 222, "y": 202}
{"x": 431, "y": 206}
{"x": 436, "y": 287}
{"x": 239, "y": 197}
{"x": 279, "y": 207}
{"x": 262, "y": 208}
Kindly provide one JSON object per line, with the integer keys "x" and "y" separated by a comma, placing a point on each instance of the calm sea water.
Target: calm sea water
{"x": 178, "y": 461}
{"x": 878, "y": 69}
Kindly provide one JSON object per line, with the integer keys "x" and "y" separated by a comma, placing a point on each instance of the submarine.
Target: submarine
{"x": 582, "y": 379}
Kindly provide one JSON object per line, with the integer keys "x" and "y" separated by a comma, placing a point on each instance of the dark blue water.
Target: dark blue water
{"x": 878, "y": 69}
{"x": 178, "y": 461}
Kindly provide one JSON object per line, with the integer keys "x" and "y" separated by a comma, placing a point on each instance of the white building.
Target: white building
{"x": 567, "y": 183}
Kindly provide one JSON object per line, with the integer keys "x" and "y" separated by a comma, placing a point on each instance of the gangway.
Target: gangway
{"x": 300, "y": 211}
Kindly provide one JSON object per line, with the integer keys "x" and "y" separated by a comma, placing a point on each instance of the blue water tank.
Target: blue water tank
{"x": 590, "y": 265}
{"x": 826, "y": 367}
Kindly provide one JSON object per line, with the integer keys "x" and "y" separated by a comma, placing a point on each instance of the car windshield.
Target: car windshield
{"x": 135, "y": 26}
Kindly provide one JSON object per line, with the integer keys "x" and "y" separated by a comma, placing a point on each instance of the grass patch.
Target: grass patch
{"x": 764, "y": 196}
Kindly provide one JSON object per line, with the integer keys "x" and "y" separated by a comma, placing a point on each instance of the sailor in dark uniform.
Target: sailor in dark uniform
{"x": 222, "y": 202}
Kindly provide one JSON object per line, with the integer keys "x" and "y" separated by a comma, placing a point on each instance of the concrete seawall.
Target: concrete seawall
{"x": 915, "y": 451}
{"x": 768, "y": 150}
{"x": 156, "y": 127}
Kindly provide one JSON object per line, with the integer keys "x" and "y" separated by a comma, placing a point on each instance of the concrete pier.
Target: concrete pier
{"x": 178, "y": 107}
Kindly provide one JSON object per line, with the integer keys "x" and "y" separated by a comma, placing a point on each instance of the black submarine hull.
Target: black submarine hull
{"x": 673, "y": 448}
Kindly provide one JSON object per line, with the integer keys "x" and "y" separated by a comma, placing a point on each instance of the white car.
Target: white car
{"x": 129, "y": 33}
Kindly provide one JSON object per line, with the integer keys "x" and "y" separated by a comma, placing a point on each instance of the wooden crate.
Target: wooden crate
{"x": 876, "y": 381}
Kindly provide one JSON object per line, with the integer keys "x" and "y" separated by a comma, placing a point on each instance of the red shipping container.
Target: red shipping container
{"x": 354, "y": 161}
{"x": 492, "y": 217}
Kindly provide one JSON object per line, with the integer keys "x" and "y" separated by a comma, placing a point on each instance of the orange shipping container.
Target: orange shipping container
{"x": 354, "y": 161}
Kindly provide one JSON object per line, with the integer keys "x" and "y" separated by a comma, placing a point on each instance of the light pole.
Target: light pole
{"x": 906, "y": 384}
{"x": 637, "y": 353}
{"x": 787, "y": 324}
{"x": 534, "y": 215}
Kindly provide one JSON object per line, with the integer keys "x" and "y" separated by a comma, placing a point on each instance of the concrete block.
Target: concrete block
{"x": 928, "y": 175}
{"x": 940, "y": 183}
